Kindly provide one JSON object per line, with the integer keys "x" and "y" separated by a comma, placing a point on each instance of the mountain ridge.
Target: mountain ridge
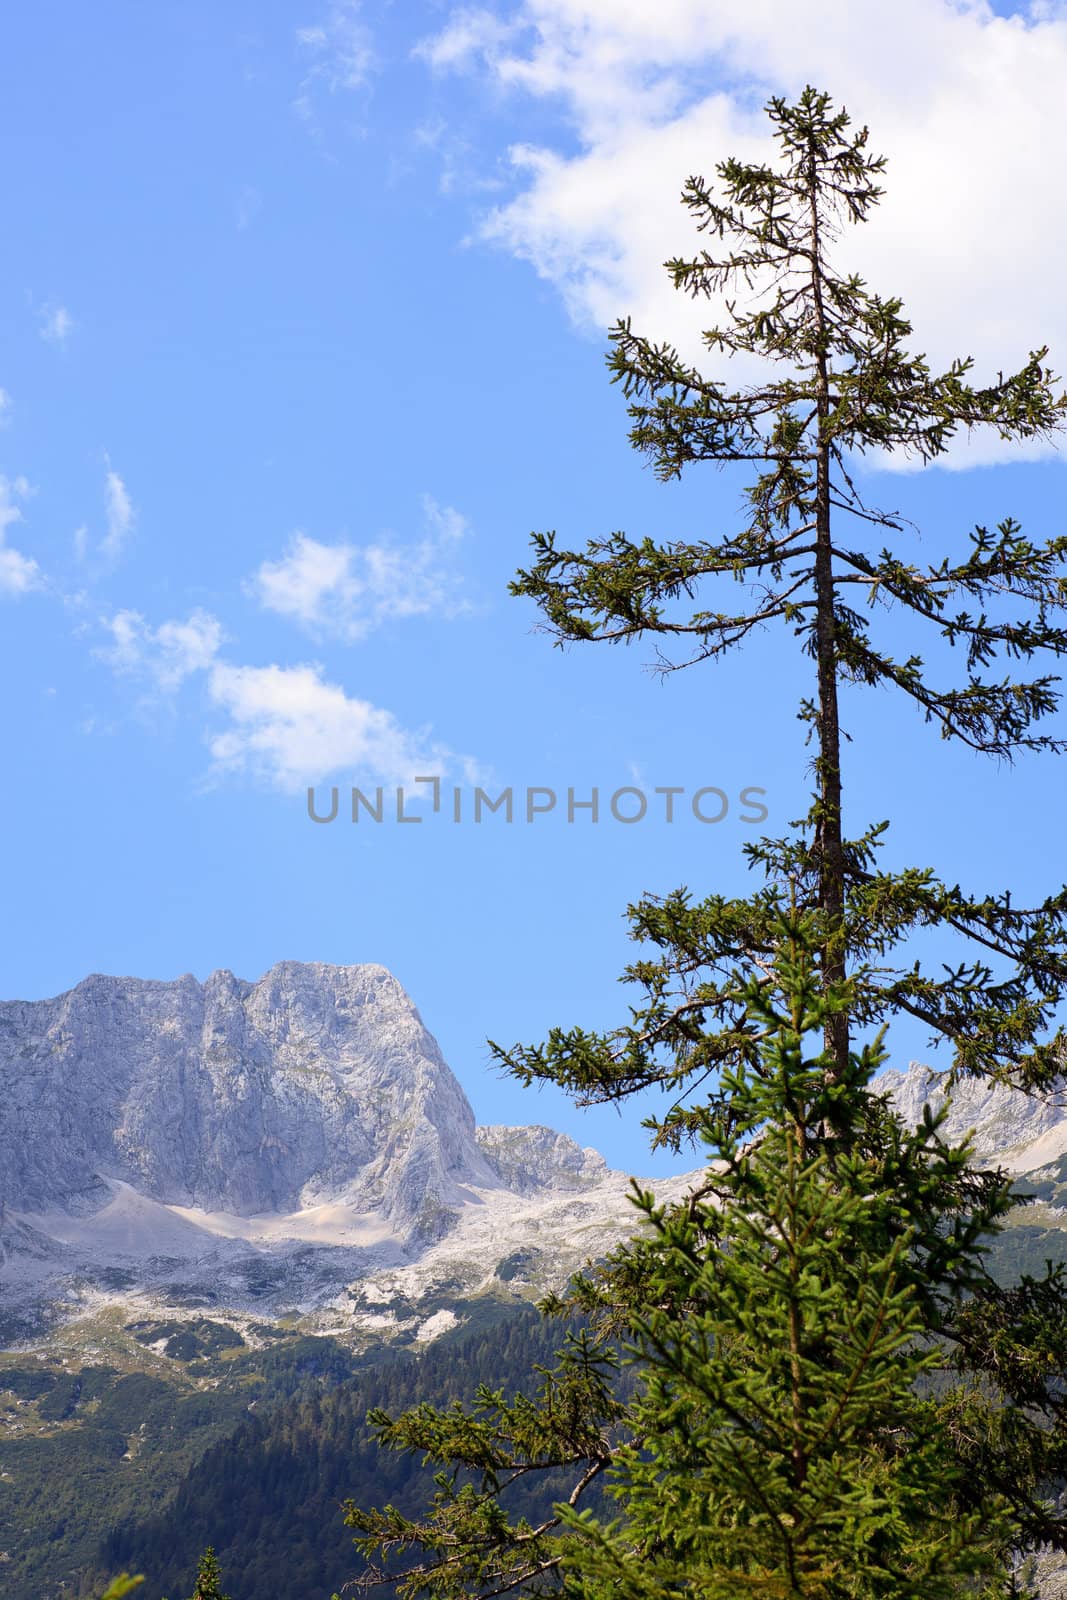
{"x": 298, "y": 1142}
{"x": 210, "y": 1189}
{"x": 233, "y": 1095}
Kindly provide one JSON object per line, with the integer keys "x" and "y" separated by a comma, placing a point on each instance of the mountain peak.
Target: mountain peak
{"x": 311, "y": 1082}
{"x": 1006, "y": 1125}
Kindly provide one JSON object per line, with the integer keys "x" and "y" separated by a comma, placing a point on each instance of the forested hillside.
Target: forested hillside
{"x": 253, "y": 1449}
{"x": 269, "y": 1495}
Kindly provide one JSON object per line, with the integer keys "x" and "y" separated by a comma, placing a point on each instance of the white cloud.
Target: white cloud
{"x": 471, "y": 32}
{"x": 119, "y": 519}
{"x": 291, "y": 727}
{"x": 347, "y": 589}
{"x": 340, "y": 52}
{"x": 965, "y": 103}
{"x": 56, "y": 324}
{"x": 6, "y": 406}
{"x": 18, "y": 573}
{"x": 166, "y": 655}
{"x": 286, "y": 726}
{"x": 119, "y": 512}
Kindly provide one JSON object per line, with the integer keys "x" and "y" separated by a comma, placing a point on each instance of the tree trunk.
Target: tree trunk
{"x": 828, "y": 845}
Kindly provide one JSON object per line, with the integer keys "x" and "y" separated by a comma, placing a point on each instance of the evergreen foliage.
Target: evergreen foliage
{"x": 270, "y": 1495}
{"x": 835, "y": 1396}
{"x": 208, "y": 1585}
{"x": 809, "y": 555}
{"x": 790, "y": 1437}
{"x": 816, "y": 1411}
{"x": 95, "y": 1445}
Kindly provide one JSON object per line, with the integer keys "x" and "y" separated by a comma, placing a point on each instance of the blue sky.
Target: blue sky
{"x": 302, "y": 323}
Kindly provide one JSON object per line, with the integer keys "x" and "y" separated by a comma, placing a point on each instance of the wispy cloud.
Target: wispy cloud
{"x": 166, "y": 656}
{"x": 284, "y": 726}
{"x": 119, "y": 514}
{"x": 966, "y": 104}
{"x": 119, "y": 518}
{"x": 290, "y": 727}
{"x": 18, "y": 573}
{"x": 471, "y": 32}
{"x": 347, "y": 590}
{"x": 56, "y": 324}
{"x": 6, "y": 408}
{"x": 340, "y": 54}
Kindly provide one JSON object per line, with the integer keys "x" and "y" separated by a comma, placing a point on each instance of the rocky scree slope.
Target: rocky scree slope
{"x": 241, "y": 1144}
{"x": 299, "y": 1143}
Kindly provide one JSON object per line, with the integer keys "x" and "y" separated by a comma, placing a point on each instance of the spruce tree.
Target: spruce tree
{"x": 796, "y": 1329}
{"x": 208, "y": 1585}
{"x": 785, "y": 1437}
{"x": 809, "y": 553}
{"x": 963, "y": 1377}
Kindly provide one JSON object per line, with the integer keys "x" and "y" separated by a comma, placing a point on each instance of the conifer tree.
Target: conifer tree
{"x": 968, "y": 1380}
{"x": 802, "y": 1328}
{"x": 208, "y": 1585}
{"x": 786, "y": 1438}
{"x": 809, "y": 554}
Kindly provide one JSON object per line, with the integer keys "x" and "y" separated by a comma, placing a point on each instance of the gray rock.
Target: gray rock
{"x": 527, "y": 1160}
{"x": 1005, "y": 1122}
{"x": 317, "y": 1083}
{"x": 316, "y": 1087}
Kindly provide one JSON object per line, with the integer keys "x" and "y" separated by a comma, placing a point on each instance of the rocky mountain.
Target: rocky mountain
{"x": 210, "y": 1190}
{"x": 528, "y": 1160}
{"x": 1016, "y": 1131}
{"x": 316, "y": 1083}
{"x": 258, "y": 1146}
{"x": 299, "y": 1146}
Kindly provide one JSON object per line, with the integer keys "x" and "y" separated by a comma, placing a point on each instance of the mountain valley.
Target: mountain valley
{"x": 216, "y": 1198}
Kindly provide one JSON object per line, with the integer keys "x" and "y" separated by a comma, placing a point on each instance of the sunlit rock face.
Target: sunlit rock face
{"x": 529, "y": 1159}
{"x": 260, "y": 1148}
{"x": 316, "y": 1083}
{"x": 1016, "y": 1130}
{"x": 263, "y": 1146}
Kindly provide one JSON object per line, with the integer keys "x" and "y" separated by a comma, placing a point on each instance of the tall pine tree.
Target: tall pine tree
{"x": 832, "y": 1263}
{"x": 788, "y": 1436}
{"x": 810, "y": 556}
